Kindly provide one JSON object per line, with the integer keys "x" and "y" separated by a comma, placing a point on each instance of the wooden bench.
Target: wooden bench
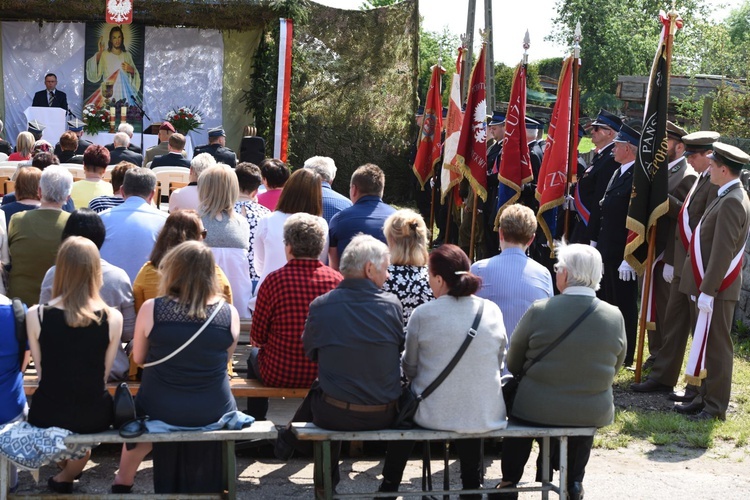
{"x": 322, "y": 438}
{"x": 240, "y": 387}
{"x": 258, "y": 430}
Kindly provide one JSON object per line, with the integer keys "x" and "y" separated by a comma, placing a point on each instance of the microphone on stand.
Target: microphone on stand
{"x": 143, "y": 113}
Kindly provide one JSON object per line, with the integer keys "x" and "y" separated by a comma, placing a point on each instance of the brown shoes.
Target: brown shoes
{"x": 689, "y": 409}
{"x": 650, "y": 385}
{"x": 685, "y": 396}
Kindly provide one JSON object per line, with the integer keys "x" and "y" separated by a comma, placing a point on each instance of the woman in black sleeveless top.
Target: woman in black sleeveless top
{"x": 190, "y": 389}
{"x": 73, "y": 340}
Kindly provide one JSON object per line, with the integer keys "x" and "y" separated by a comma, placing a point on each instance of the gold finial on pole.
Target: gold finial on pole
{"x": 484, "y": 35}
{"x": 463, "y": 40}
{"x": 526, "y": 45}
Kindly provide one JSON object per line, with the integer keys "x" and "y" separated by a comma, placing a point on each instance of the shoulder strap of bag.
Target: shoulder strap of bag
{"x": 562, "y": 337}
{"x": 19, "y": 316}
{"x": 461, "y": 350}
{"x": 219, "y": 305}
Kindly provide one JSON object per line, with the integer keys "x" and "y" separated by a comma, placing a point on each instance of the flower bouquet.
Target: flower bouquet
{"x": 184, "y": 119}
{"x": 96, "y": 119}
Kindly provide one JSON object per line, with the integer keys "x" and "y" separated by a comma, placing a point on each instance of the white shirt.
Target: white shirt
{"x": 579, "y": 290}
{"x": 723, "y": 189}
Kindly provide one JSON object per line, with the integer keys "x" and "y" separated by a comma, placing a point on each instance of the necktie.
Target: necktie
{"x": 51, "y": 97}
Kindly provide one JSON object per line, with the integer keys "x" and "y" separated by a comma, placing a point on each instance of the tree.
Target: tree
{"x": 619, "y": 38}
{"x": 504, "y": 80}
{"x": 374, "y": 4}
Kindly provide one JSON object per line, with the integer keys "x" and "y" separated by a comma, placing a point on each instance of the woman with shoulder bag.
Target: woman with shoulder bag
{"x": 433, "y": 337}
{"x": 183, "y": 338}
{"x": 560, "y": 387}
{"x": 73, "y": 339}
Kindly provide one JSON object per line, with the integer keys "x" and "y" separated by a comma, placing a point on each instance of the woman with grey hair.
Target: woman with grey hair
{"x": 571, "y": 385}
{"x": 34, "y": 235}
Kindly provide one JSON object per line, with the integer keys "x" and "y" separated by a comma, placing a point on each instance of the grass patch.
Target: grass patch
{"x": 666, "y": 428}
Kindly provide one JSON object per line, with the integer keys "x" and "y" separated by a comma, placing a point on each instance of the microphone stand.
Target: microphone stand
{"x": 143, "y": 113}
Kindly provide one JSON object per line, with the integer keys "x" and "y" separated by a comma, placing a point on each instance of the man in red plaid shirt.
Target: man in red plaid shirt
{"x": 278, "y": 359}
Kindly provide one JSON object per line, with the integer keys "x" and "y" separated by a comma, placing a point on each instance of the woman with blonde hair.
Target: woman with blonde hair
{"x": 406, "y": 234}
{"x": 181, "y": 226}
{"x": 24, "y": 146}
{"x": 190, "y": 298}
{"x": 302, "y": 193}
{"x": 228, "y": 233}
{"x": 73, "y": 339}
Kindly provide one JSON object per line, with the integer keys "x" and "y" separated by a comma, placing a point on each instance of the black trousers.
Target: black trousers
{"x": 469, "y": 455}
{"x": 516, "y": 453}
{"x": 314, "y": 409}
{"x": 623, "y": 295}
{"x": 256, "y": 407}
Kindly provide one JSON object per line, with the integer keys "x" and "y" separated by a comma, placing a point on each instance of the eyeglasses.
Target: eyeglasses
{"x": 204, "y": 233}
{"x": 558, "y": 268}
{"x": 597, "y": 128}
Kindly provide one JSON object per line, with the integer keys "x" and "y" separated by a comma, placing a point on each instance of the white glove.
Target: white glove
{"x": 570, "y": 204}
{"x": 592, "y": 243}
{"x": 705, "y": 303}
{"x": 627, "y": 273}
{"x": 432, "y": 182}
{"x": 668, "y": 273}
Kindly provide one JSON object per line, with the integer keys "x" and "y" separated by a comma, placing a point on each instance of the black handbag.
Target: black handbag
{"x": 409, "y": 401}
{"x": 510, "y": 383}
{"x": 124, "y": 405}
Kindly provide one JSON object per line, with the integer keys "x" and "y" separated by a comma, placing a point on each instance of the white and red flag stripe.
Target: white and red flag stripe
{"x": 283, "y": 90}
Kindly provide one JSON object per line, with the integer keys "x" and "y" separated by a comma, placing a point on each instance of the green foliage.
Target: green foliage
{"x": 619, "y": 38}
{"x": 434, "y": 46}
{"x": 730, "y": 114}
{"x": 550, "y": 67}
{"x": 373, "y": 4}
{"x": 504, "y": 80}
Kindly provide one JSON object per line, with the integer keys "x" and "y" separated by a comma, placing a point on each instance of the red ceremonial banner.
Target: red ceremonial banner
{"x": 428, "y": 152}
{"x": 553, "y": 174}
{"x": 515, "y": 163}
{"x": 471, "y": 156}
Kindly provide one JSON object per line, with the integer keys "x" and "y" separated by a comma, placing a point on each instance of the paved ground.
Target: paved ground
{"x": 641, "y": 471}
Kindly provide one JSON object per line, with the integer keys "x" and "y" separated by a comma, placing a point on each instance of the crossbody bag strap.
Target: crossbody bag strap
{"x": 562, "y": 337}
{"x": 461, "y": 350}
{"x": 219, "y": 305}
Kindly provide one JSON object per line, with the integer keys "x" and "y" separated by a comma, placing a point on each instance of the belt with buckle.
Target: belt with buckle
{"x": 360, "y": 408}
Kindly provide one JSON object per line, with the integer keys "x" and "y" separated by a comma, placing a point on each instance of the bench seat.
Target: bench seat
{"x": 258, "y": 430}
{"x": 321, "y": 439}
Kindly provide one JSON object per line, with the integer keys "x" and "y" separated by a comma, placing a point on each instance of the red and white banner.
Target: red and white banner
{"x": 283, "y": 90}
{"x": 450, "y": 175}
{"x": 119, "y": 12}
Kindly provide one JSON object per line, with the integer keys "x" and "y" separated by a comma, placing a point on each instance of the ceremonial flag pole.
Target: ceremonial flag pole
{"x": 471, "y": 154}
{"x": 648, "y": 201}
{"x": 450, "y": 174}
{"x": 562, "y": 142}
{"x": 515, "y": 163}
{"x": 573, "y": 161}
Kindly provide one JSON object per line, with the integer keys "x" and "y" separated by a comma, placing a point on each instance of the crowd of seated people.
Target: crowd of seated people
{"x": 132, "y": 279}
